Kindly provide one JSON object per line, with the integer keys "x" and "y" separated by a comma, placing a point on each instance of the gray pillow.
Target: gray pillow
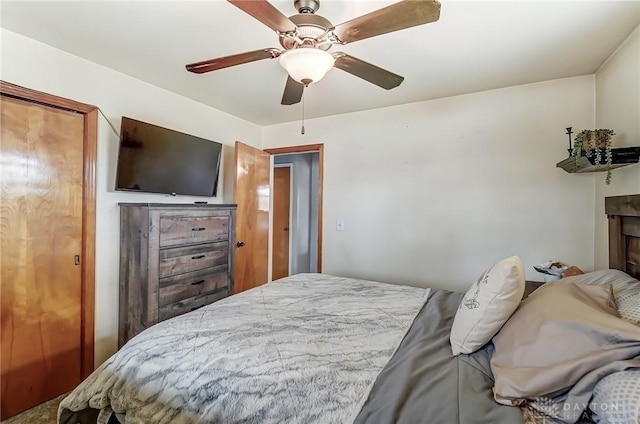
{"x": 626, "y": 290}
{"x": 616, "y": 398}
{"x": 621, "y": 282}
{"x": 629, "y": 306}
{"x": 561, "y": 334}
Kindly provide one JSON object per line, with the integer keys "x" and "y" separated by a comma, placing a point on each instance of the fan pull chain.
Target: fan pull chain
{"x": 302, "y": 129}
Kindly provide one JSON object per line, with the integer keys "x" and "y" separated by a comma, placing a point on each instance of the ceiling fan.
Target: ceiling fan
{"x": 307, "y": 37}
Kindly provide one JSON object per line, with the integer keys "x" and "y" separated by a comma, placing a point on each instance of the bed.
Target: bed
{"x": 314, "y": 348}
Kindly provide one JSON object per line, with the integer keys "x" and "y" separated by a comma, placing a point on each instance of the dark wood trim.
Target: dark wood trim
{"x": 623, "y": 213}
{"x": 12, "y": 90}
{"x": 320, "y": 200}
{"x": 88, "y": 206}
{"x": 309, "y": 148}
{"x": 617, "y": 245}
{"x": 178, "y": 205}
{"x": 622, "y": 205}
{"x": 631, "y": 226}
{"x": 306, "y": 148}
{"x": 88, "y": 240}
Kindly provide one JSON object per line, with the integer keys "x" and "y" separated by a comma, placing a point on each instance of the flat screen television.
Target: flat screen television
{"x": 153, "y": 159}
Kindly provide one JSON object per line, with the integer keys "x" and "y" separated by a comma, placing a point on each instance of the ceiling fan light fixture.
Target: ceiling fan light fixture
{"x": 306, "y": 64}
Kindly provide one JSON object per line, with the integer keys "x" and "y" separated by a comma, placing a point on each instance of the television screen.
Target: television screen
{"x": 153, "y": 159}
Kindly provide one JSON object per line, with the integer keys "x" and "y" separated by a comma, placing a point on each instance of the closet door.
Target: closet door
{"x": 41, "y": 222}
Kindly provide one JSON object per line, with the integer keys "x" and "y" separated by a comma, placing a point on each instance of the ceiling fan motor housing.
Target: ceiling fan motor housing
{"x": 307, "y": 6}
{"x": 310, "y": 29}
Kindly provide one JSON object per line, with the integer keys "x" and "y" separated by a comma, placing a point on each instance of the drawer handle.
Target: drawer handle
{"x": 197, "y": 307}
{"x": 195, "y": 283}
{"x": 198, "y": 229}
{"x": 198, "y": 257}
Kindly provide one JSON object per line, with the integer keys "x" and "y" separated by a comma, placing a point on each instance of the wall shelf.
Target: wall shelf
{"x": 620, "y": 156}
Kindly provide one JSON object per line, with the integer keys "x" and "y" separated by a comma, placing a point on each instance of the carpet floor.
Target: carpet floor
{"x": 46, "y": 413}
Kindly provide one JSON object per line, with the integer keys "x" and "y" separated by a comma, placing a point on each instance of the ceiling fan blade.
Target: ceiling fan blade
{"x": 401, "y": 15}
{"x": 366, "y": 71}
{"x": 266, "y": 13}
{"x": 233, "y": 60}
{"x": 292, "y": 92}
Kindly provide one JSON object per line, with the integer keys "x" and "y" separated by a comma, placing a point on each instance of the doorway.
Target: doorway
{"x": 297, "y": 240}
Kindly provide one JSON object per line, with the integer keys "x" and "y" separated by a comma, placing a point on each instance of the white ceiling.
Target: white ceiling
{"x": 475, "y": 46}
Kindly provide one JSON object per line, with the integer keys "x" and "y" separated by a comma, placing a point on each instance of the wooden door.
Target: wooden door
{"x": 41, "y": 211}
{"x": 281, "y": 220}
{"x": 252, "y": 195}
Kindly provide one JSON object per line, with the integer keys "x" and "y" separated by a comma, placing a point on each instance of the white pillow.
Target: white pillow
{"x": 487, "y": 305}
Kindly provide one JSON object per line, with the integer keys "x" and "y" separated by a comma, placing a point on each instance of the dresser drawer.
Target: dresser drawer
{"x": 178, "y": 260}
{"x": 183, "y": 286}
{"x": 190, "y": 304}
{"x": 176, "y": 230}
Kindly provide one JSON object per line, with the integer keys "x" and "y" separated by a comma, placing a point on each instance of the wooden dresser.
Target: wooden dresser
{"x": 174, "y": 258}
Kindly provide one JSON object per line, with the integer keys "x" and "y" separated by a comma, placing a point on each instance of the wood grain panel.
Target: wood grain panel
{"x": 88, "y": 205}
{"x": 633, "y": 257}
{"x": 182, "y": 230}
{"x": 192, "y": 258}
{"x": 617, "y": 247}
{"x": 42, "y": 232}
{"x": 190, "y": 304}
{"x": 192, "y": 284}
{"x": 281, "y": 219}
{"x": 133, "y": 242}
{"x": 628, "y": 205}
{"x": 252, "y": 195}
{"x": 149, "y": 271}
{"x": 631, "y": 226}
{"x": 624, "y": 233}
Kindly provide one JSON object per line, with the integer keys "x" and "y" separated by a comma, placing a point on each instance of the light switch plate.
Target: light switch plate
{"x": 340, "y": 224}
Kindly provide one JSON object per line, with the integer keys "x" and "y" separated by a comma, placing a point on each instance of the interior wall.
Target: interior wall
{"x": 433, "y": 193}
{"x": 617, "y": 108}
{"x": 40, "y": 67}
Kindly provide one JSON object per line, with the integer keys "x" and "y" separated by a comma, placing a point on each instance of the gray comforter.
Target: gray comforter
{"x": 306, "y": 349}
{"x": 425, "y": 383}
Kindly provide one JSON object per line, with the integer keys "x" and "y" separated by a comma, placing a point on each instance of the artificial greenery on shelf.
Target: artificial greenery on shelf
{"x": 593, "y": 142}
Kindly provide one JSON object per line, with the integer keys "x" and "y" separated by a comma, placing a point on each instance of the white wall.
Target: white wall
{"x": 432, "y": 193}
{"x": 618, "y": 108}
{"x": 40, "y": 67}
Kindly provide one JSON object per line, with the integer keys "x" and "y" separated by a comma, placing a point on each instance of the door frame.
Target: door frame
{"x": 90, "y": 136}
{"x": 290, "y": 166}
{"x": 309, "y": 148}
